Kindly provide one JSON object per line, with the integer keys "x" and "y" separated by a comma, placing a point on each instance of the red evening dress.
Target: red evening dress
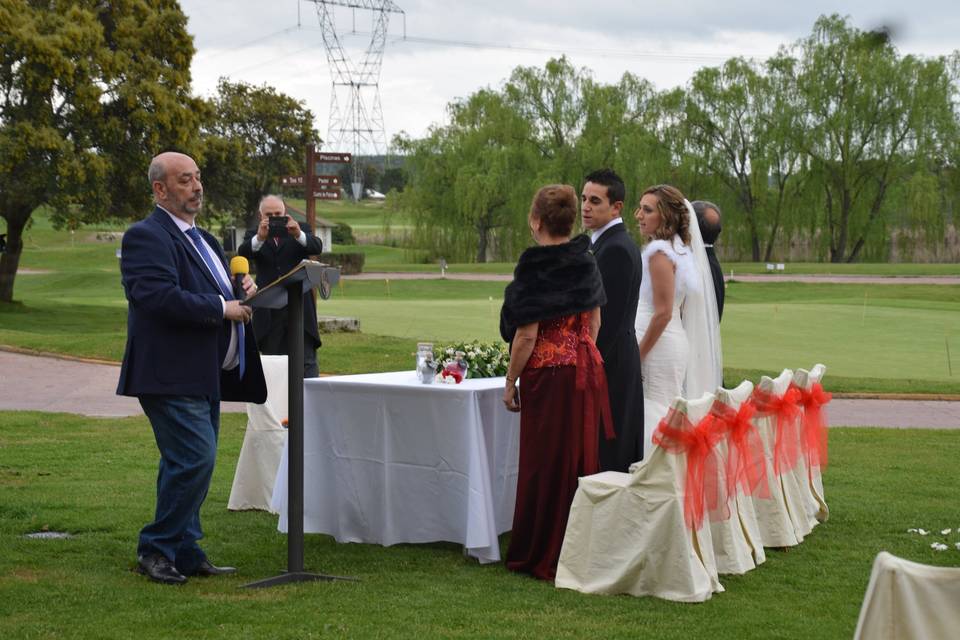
{"x": 563, "y": 401}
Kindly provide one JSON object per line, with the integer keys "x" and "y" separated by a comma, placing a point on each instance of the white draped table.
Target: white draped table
{"x": 389, "y": 460}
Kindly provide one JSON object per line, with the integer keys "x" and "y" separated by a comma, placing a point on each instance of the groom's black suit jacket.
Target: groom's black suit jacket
{"x": 618, "y": 258}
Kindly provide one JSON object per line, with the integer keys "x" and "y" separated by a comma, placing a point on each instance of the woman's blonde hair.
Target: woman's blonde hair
{"x": 674, "y": 218}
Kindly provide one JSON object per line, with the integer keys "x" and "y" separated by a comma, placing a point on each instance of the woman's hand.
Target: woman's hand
{"x": 510, "y": 398}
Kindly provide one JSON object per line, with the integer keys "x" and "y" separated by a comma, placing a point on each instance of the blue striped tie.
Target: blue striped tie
{"x": 225, "y": 288}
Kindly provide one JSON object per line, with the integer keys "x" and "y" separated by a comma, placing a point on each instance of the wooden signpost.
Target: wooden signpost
{"x": 318, "y": 186}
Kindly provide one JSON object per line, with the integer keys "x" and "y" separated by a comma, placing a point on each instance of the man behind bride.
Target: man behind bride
{"x": 618, "y": 258}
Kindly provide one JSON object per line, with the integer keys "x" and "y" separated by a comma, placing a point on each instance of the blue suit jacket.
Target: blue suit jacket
{"x": 176, "y": 335}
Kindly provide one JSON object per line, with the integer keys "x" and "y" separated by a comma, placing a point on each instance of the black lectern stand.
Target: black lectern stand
{"x": 288, "y": 291}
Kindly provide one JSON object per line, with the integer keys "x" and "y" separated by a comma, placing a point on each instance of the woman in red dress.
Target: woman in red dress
{"x": 550, "y": 317}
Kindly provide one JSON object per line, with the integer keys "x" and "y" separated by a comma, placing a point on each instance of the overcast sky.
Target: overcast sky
{"x": 456, "y": 48}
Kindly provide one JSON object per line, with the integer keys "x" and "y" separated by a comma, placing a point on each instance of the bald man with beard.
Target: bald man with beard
{"x": 188, "y": 347}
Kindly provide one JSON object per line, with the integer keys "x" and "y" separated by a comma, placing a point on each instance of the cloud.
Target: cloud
{"x": 454, "y": 49}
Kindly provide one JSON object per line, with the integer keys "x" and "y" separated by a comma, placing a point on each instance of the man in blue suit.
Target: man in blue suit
{"x": 187, "y": 349}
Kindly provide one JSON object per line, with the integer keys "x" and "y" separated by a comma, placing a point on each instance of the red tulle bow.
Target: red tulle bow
{"x": 814, "y": 441}
{"x": 786, "y": 448}
{"x": 592, "y": 381}
{"x": 702, "y": 487}
{"x": 746, "y": 465}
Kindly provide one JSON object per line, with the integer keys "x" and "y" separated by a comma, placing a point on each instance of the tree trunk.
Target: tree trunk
{"x": 483, "y": 233}
{"x": 768, "y": 253}
{"x": 835, "y": 255}
{"x": 10, "y": 258}
{"x": 846, "y": 207}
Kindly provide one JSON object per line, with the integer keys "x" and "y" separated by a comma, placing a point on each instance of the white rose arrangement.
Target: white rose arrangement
{"x": 483, "y": 360}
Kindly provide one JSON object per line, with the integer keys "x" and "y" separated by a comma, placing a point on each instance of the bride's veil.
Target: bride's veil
{"x": 701, "y": 322}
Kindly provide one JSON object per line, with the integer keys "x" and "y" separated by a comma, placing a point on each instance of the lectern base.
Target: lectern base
{"x": 296, "y": 576}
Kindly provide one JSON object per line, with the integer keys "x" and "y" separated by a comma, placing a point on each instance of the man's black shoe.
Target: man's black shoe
{"x": 156, "y": 567}
{"x": 206, "y": 569}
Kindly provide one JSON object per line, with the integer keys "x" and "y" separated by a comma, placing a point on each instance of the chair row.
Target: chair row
{"x": 730, "y": 473}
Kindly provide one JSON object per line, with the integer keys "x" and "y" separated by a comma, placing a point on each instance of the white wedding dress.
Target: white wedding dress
{"x": 664, "y": 368}
{"x": 686, "y": 359}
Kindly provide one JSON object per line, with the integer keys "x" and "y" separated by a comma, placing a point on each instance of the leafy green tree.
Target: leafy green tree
{"x": 393, "y": 178}
{"x": 470, "y": 181}
{"x": 620, "y": 130}
{"x": 743, "y": 124}
{"x": 550, "y": 101}
{"x": 874, "y": 119}
{"x": 89, "y": 92}
{"x": 252, "y": 136}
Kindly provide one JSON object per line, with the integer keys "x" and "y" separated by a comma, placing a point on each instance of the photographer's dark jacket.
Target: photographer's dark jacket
{"x": 273, "y": 260}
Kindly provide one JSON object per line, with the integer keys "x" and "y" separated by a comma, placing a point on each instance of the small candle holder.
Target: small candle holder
{"x": 426, "y": 366}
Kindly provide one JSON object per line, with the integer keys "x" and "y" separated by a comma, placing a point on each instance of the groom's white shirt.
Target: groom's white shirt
{"x": 599, "y": 232}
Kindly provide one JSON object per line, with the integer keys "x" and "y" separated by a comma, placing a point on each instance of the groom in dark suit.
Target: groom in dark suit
{"x": 187, "y": 349}
{"x": 273, "y": 257}
{"x": 601, "y": 203}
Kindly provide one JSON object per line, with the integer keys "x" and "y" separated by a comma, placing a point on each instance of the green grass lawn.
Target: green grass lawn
{"x": 873, "y": 338}
{"x": 94, "y": 478}
{"x": 365, "y": 217}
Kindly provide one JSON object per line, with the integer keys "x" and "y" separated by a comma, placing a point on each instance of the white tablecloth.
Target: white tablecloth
{"x": 389, "y": 460}
{"x": 263, "y": 441}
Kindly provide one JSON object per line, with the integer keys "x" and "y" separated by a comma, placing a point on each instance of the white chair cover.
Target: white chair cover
{"x": 737, "y": 544}
{"x": 626, "y": 531}
{"x": 773, "y": 513}
{"x": 909, "y": 601}
{"x": 806, "y": 379}
{"x": 263, "y": 442}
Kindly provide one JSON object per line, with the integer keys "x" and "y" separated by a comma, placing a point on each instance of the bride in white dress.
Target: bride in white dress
{"x": 677, "y": 318}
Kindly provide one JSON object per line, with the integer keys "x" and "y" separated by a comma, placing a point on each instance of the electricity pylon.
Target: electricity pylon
{"x": 356, "y": 117}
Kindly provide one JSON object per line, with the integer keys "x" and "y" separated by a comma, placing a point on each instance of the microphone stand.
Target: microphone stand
{"x": 288, "y": 290}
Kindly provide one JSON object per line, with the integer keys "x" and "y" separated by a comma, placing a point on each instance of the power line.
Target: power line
{"x": 468, "y": 44}
{"x": 216, "y": 52}
{"x": 612, "y": 53}
{"x": 271, "y": 60}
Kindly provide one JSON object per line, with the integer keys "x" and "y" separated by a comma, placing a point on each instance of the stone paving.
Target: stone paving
{"x": 41, "y": 383}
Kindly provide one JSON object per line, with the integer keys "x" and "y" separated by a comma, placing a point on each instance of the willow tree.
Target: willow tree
{"x": 550, "y": 101}
{"x": 622, "y": 129}
{"x": 874, "y": 119}
{"x": 89, "y": 91}
{"x": 743, "y": 121}
{"x": 470, "y": 181}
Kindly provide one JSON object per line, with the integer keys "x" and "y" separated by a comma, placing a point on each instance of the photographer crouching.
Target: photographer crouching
{"x": 277, "y": 245}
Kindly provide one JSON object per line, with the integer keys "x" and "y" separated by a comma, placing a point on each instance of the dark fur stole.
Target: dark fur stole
{"x": 549, "y": 282}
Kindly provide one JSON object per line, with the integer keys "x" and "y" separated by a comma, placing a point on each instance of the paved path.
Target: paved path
{"x": 744, "y": 277}
{"x": 37, "y": 383}
{"x": 835, "y": 279}
{"x": 41, "y": 383}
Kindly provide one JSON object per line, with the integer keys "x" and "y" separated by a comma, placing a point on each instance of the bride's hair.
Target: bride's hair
{"x": 673, "y": 213}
